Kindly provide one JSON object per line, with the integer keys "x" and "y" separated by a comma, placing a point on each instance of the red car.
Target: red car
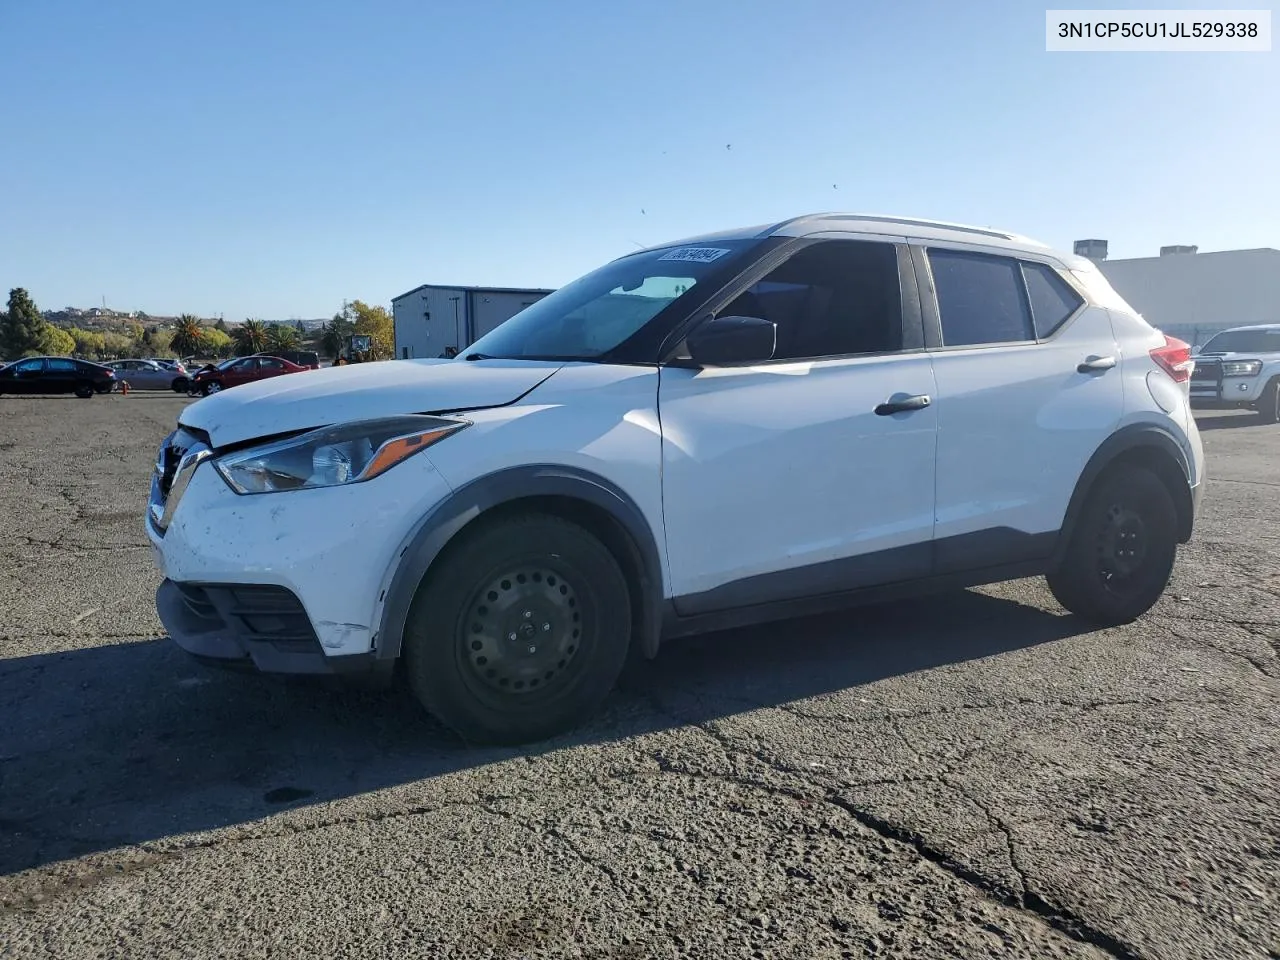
{"x": 232, "y": 373}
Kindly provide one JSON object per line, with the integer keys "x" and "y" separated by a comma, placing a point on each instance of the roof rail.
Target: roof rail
{"x": 902, "y": 221}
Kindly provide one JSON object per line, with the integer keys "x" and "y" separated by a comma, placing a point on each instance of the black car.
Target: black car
{"x": 56, "y": 375}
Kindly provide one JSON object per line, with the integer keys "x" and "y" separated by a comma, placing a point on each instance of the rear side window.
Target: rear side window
{"x": 980, "y": 297}
{"x": 1052, "y": 299}
{"x": 60, "y": 365}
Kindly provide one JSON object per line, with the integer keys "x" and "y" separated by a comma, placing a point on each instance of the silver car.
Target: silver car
{"x": 150, "y": 375}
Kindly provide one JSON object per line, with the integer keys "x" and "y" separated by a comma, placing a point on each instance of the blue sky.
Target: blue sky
{"x": 269, "y": 159}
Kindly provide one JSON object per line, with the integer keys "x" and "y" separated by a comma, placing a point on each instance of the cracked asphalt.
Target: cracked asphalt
{"x": 976, "y": 775}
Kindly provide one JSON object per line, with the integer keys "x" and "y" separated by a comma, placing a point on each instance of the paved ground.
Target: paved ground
{"x": 974, "y": 776}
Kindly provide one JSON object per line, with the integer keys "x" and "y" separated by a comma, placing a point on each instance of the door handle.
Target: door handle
{"x": 903, "y": 405}
{"x": 1096, "y": 365}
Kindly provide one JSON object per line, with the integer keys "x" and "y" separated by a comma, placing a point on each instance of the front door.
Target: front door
{"x": 792, "y": 478}
{"x": 28, "y": 377}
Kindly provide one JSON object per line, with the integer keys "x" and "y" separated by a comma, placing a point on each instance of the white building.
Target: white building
{"x": 1193, "y": 295}
{"x": 431, "y": 319}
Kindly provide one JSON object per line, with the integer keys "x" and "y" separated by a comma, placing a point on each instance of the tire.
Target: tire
{"x": 179, "y": 385}
{"x": 1269, "y": 402}
{"x": 84, "y": 390}
{"x": 210, "y": 386}
{"x": 544, "y": 581}
{"x": 1096, "y": 580}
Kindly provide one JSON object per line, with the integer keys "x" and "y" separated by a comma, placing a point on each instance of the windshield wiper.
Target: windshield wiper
{"x": 480, "y": 356}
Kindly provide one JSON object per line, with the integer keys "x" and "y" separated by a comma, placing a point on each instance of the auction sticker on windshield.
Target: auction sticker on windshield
{"x": 695, "y": 254}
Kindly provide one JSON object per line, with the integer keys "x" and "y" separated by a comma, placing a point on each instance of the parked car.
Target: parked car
{"x": 1240, "y": 369}
{"x": 56, "y": 375}
{"x": 151, "y": 374}
{"x": 706, "y": 434}
{"x": 303, "y": 358}
{"x": 240, "y": 370}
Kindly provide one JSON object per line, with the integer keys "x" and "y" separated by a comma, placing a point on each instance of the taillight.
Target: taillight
{"x": 1174, "y": 358}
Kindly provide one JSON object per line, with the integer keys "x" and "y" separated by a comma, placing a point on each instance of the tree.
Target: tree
{"x": 221, "y": 325}
{"x": 115, "y": 345}
{"x": 89, "y": 343}
{"x": 217, "y": 342}
{"x": 251, "y": 338}
{"x": 25, "y": 328}
{"x": 375, "y": 323}
{"x": 333, "y": 335}
{"x": 188, "y": 336}
{"x": 57, "y": 342}
{"x": 281, "y": 336}
{"x": 302, "y": 331}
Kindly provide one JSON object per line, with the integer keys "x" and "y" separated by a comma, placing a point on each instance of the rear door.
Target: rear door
{"x": 270, "y": 367}
{"x": 62, "y": 374}
{"x": 1028, "y": 389}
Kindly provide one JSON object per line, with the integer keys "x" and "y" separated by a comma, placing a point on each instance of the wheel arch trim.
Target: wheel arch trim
{"x": 468, "y": 503}
{"x": 1128, "y": 440}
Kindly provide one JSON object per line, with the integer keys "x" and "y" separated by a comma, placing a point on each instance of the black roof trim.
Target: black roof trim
{"x": 467, "y": 289}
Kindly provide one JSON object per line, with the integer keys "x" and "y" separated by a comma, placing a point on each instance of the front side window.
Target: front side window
{"x": 597, "y": 315}
{"x": 980, "y": 298}
{"x": 28, "y": 366}
{"x": 833, "y": 298}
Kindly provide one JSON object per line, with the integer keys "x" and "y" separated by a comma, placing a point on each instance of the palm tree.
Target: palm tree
{"x": 251, "y": 338}
{"x": 333, "y": 335}
{"x": 283, "y": 336}
{"x": 188, "y": 336}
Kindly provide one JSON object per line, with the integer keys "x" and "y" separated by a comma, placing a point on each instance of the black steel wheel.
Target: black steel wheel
{"x": 1122, "y": 549}
{"x": 519, "y": 631}
{"x": 84, "y": 390}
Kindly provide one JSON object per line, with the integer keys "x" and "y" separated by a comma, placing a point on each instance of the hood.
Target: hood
{"x": 360, "y": 391}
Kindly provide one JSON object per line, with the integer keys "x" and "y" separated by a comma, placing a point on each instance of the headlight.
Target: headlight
{"x": 1241, "y": 368}
{"x": 332, "y": 456}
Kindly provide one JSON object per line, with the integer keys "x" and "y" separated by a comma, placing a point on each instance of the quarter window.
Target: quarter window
{"x": 1052, "y": 299}
{"x": 980, "y": 298}
{"x": 833, "y": 298}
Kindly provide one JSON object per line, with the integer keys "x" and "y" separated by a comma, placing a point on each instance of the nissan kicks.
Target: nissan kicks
{"x": 727, "y": 430}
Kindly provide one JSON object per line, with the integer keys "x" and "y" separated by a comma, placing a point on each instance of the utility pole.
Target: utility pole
{"x": 457, "y": 330}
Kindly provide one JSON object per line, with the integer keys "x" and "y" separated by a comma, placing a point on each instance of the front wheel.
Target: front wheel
{"x": 210, "y": 386}
{"x": 1269, "y": 403}
{"x": 1122, "y": 549}
{"x": 520, "y": 633}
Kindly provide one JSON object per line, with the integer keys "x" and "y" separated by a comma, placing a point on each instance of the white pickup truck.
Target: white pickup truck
{"x": 1240, "y": 368}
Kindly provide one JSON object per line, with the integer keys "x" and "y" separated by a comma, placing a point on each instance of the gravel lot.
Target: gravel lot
{"x": 977, "y": 775}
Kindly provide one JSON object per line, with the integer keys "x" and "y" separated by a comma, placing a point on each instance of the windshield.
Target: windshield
{"x": 597, "y": 313}
{"x": 1244, "y": 341}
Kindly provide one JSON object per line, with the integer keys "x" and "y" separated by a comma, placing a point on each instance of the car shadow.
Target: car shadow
{"x": 116, "y": 745}
{"x": 1227, "y": 420}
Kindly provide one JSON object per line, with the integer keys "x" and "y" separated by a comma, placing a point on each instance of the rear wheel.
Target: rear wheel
{"x": 1122, "y": 549}
{"x": 84, "y": 390}
{"x": 179, "y": 385}
{"x": 1269, "y": 404}
{"x": 521, "y": 632}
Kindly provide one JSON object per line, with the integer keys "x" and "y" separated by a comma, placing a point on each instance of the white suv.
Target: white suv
{"x": 736, "y": 428}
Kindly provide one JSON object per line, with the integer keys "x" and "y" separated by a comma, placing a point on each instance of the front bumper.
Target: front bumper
{"x": 252, "y": 627}
{"x": 1210, "y": 391}
{"x": 324, "y": 555}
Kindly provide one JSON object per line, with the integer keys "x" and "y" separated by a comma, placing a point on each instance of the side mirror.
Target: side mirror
{"x": 727, "y": 340}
